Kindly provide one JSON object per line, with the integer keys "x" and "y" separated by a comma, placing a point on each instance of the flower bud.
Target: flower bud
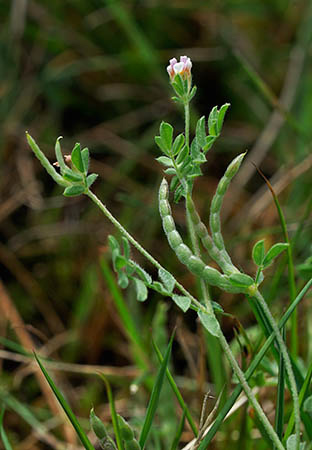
{"x": 182, "y": 68}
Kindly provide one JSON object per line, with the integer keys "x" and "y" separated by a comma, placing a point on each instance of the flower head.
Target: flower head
{"x": 182, "y": 68}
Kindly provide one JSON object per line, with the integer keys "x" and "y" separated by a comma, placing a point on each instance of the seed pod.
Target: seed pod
{"x": 164, "y": 207}
{"x": 183, "y": 252}
{"x": 174, "y": 239}
{"x": 216, "y": 204}
{"x": 125, "y": 429}
{"x": 202, "y": 232}
{"x": 168, "y": 224}
{"x": 132, "y": 445}
{"x": 107, "y": 443}
{"x": 97, "y": 425}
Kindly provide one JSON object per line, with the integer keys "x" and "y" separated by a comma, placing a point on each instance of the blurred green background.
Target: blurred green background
{"x": 95, "y": 72}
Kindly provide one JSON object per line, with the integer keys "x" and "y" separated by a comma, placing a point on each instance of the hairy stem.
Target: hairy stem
{"x": 288, "y": 367}
{"x": 249, "y": 394}
{"x": 139, "y": 247}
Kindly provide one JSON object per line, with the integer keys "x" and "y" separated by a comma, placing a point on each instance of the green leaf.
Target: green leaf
{"x": 166, "y": 134}
{"x": 165, "y": 161}
{"x": 182, "y": 155}
{"x": 273, "y": 253}
{"x": 4, "y": 438}
{"x": 178, "y": 85}
{"x": 258, "y": 252}
{"x": 182, "y": 301}
{"x": 161, "y": 144}
{"x": 119, "y": 262}
{"x": 154, "y": 399}
{"x": 209, "y": 142}
{"x": 91, "y": 179}
{"x": 167, "y": 279}
{"x": 241, "y": 279}
{"x": 307, "y": 406}
{"x": 201, "y": 132}
{"x": 141, "y": 290}
{"x": 170, "y": 171}
{"x": 85, "y": 159}
{"x": 72, "y": 191}
{"x": 70, "y": 175}
{"x": 68, "y": 411}
{"x": 160, "y": 288}
{"x": 221, "y": 114}
{"x": 77, "y": 159}
{"x": 210, "y": 323}
{"x": 178, "y": 193}
{"x": 113, "y": 243}
{"x": 59, "y": 154}
{"x": 142, "y": 273}
{"x": 113, "y": 413}
{"x": 123, "y": 280}
{"x": 174, "y": 183}
{"x": 178, "y": 144}
{"x": 126, "y": 247}
{"x": 217, "y": 307}
{"x": 192, "y": 93}
{"x": 212, "y": 121}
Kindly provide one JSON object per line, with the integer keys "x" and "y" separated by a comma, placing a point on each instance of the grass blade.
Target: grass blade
{"x": 68, "y": 411}
{"x": 125, "y": 315}
{"x": 113, "y": 413}
{"x": 152, "y": 406}
{"x": 177, "y": 437}
{"x": 291, "y": 270}
{"x": 4, "y": 438}
{"x": 253, "y": 365}
{"x": 177, "y": 392}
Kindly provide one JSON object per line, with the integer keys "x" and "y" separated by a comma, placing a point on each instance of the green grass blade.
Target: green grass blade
{"x": 253, "y": 365}
{"x": 113, "y": 413}
{"x": 291, "y": 269}
{"x": 68, "y": 411}
{"x": 279, "y": 414}
{"x": 125, "y": 316}
{"x": 131, "y": 29}
{"x": 177, "y": 392}
{"x": 302, "y": 396}
{"x": 4, "y": 438}
{"x": 152, "y": 406}
{"x": 24, "y": 412}
{"x": 179, "y": 432}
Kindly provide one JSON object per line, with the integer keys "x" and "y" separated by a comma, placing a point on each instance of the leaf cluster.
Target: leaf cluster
{"x": 264, "y": 259}
{"x": 127, "y": 269}
{"x": 184, "y": 161}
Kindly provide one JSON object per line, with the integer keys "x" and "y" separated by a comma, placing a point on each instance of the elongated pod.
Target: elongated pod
{"x": 216, "y": 204}
{"x": 202, "y": 232}
{"x": 183, "y": 252}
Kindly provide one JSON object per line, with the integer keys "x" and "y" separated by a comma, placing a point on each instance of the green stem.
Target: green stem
{"x": 249, "y": 394}
{"x": 196, "y": 250}
{"x": 187, "y": 122}
{"x": 139, "y": 247}
{"x": 288, "y": 367}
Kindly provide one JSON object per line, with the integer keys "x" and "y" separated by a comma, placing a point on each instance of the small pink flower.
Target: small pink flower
{"x": 183, "y": 67}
